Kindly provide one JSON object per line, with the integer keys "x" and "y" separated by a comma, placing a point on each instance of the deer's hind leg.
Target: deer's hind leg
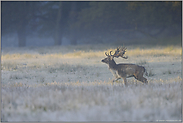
{"x": 141, "y": 78}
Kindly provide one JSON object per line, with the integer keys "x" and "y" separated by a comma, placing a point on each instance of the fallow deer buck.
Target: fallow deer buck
{"x": 124, "y": 70}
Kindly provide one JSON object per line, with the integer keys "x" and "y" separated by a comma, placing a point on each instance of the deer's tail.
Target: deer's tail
{"x": 145, "y": 72}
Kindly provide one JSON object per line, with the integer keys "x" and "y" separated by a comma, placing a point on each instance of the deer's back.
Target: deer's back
{"x": 127, "y": 66}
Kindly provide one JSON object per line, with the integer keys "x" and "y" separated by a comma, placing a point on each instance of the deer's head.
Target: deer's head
{"x": 108, "y": 59}
{"x": 118, "y": 53}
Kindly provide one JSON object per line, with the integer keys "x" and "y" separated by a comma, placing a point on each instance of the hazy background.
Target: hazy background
{"x": 74, "y": 23}
{"x": 45, "y": 80}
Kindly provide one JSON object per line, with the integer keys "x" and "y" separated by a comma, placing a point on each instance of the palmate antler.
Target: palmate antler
{"x": 119, "y": 52}
{"x": 108, "y": 54}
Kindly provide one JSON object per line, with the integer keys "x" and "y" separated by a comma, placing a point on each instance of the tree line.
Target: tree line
{"x": 76, "y": 19}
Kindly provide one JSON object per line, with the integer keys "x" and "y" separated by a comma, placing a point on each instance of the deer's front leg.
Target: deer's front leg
{"x": 125, "y": 82}
{"x": 115, "y": 75}
{"x": 116, "y": 79}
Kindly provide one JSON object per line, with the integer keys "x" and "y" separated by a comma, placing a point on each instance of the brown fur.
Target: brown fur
{"x": 125, "y": 70}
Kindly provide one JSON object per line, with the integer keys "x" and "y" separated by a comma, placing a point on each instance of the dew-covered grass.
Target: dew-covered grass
{"x": 70, "y": 83}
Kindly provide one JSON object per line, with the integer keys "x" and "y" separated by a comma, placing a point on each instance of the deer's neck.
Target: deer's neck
{"x": 112, "y": 65}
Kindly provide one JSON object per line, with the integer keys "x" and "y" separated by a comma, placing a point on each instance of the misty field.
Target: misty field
{"x": 70, "y": 83}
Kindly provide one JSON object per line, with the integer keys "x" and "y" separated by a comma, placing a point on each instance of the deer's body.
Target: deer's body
{"x": 125, "y": 70}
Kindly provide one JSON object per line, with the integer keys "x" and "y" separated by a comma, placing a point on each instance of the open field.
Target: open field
{"x": 70, "y": 83}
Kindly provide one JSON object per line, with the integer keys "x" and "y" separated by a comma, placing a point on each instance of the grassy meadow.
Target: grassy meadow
{"x": 70, "y": 83}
